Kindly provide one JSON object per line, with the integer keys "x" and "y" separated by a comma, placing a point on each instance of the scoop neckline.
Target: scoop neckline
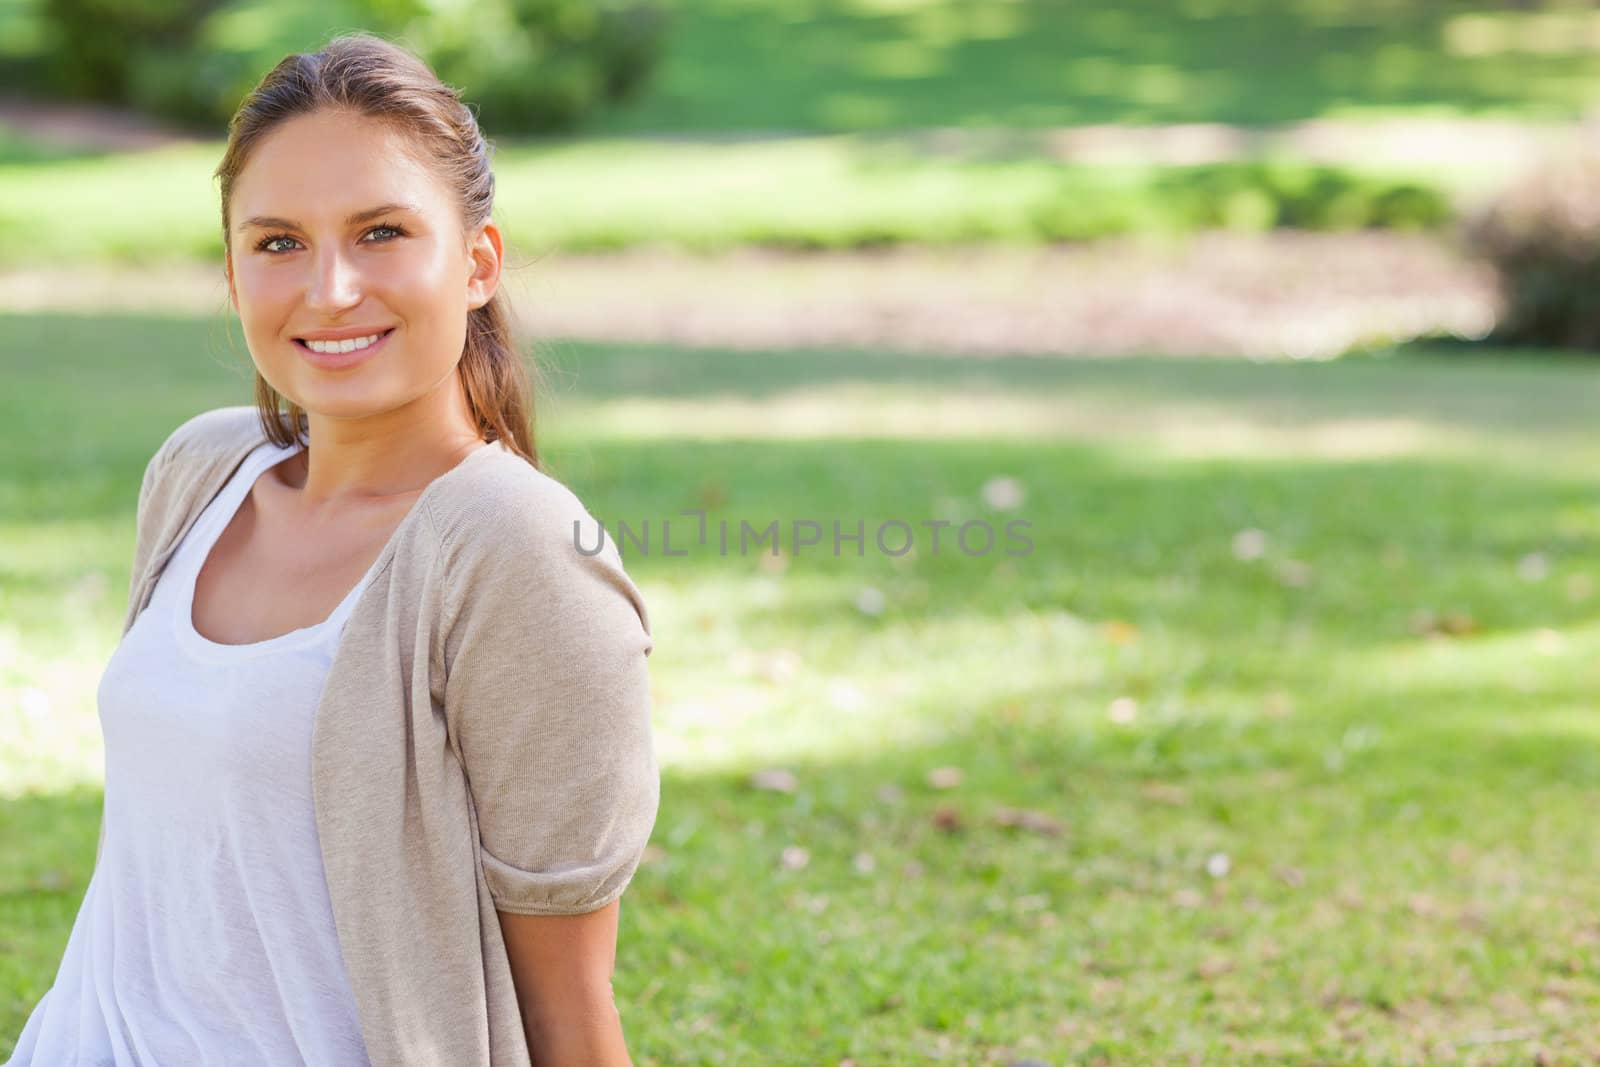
{"x": 259, "y": 459}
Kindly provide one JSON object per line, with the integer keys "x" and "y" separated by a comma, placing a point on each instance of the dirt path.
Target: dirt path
{"x": 1285, "y": 294}
{"x": 1282, "y": 295}
{"x": 84, "y": 126}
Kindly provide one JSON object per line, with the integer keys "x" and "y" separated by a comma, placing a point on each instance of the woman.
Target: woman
{"x": 378, "y": 752}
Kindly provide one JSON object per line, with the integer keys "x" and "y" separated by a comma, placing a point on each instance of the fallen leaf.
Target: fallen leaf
{"x": 944, "y": 777}
{"x": 1294, "y": 573}
{"x": 1002, "y": 493}
{"x": 775, "y": 779}
{"x": 1249, "y": 544}
{"x": 1036, "y": 821}
{"x": 1423, "y": 905}
{"x": 1533, "y": 567}
{"x": 870, "y": 601}
{"x": 713, "y": 494}
{"x": 1165, "y": 793}
{"x": 947, "y": 819}
{"x": 1119, "y": 632}
{"x": 1451, "y": 624}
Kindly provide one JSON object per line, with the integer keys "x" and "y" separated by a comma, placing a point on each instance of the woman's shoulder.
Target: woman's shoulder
{"x": 499, "y": 498}
{"x": 494, "y": 502}
{"x": 509, "y": 533}
{"x": 191, "y": 454}
{"x": 215, "y": 433}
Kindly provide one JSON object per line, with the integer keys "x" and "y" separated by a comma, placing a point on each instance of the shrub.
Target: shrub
{"x": 93, "y": 44}
{"x": 530, "y": 66}
{"x": 1260, "y": 195}
{"x": 1252, "y": 196}
{"x": 1542, "y": 236}
{"x": 540, "y": 65}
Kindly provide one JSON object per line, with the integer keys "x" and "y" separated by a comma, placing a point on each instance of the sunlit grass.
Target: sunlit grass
{"x": 1298, "y": 717}
{"x": 812, "y": 192}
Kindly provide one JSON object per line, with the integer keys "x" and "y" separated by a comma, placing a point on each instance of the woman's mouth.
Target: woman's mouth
{"x": 337, "y": 355}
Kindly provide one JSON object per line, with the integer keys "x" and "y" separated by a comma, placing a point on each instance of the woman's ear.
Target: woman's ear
{"x": 485, "y": 255}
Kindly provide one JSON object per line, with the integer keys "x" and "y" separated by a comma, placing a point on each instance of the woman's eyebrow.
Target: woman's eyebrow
{"x": 274, "y": 222}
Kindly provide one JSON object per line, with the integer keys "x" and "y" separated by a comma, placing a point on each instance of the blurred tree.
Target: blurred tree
{"x": 528, "y": 65}
{"x": 1543, "y": 237}
{"x": 96, "y": 42}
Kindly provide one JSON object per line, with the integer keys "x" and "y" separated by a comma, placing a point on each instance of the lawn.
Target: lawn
{"x": 809, "y": 193}
{"x": 888, "y": 64}
{"x": 1278, "y": 747}
{"x": 853, "y": 90}
{"x": 854, "y": 65}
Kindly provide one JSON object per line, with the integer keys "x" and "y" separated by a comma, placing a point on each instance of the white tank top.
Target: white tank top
{"x": 206, "y": 933}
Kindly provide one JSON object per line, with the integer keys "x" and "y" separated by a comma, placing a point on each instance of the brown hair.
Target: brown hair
{"x": 366, "y": 74}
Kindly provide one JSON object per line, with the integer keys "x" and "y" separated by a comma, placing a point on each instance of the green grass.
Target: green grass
{"x": 830, "y": 65}
{"x": 1406, "y": 807}
{"x": 161, "y": 205}
{"x": 851, "y": 65}
{"x": 859, "y": 84}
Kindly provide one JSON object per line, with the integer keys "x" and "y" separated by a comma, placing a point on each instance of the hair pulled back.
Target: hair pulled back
{"x": 365, "y": 74}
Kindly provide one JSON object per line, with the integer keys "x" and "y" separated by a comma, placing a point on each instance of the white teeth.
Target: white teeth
{"x": 343, "y": 346}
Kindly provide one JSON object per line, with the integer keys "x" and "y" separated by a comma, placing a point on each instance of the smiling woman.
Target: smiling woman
{"x": 379, "y": 762}
{"x": 376, "y": 244}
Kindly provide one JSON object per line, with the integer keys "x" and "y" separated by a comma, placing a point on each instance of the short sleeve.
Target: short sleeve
{"x": 547, "y": 697}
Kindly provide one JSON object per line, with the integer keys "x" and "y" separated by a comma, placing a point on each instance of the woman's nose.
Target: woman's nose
{"x": 335, "y": 283}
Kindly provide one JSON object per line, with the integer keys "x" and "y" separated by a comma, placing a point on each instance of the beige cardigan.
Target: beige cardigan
{"x": 483, "y": 742}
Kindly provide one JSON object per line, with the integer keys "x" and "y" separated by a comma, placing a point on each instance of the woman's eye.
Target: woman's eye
{"x": 267, "y": 244}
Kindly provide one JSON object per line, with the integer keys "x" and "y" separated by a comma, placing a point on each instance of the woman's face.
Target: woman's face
{"x": 335, "y": 228}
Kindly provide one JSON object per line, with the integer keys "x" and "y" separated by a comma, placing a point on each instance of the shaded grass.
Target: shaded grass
{"x": 853, "y": 65}
{"x": 1405, "y": 814}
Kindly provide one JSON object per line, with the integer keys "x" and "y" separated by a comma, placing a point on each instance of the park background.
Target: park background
{"x": 1273, "y": 321}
